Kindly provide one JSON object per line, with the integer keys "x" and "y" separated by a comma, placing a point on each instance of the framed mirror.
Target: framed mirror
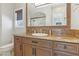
{"x": 54, "y": 14}
{"x": 38, "y": 19}
{"x": 59, "y": 17}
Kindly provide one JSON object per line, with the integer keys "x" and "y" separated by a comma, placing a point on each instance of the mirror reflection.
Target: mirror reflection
{"x": 47, "y": 14}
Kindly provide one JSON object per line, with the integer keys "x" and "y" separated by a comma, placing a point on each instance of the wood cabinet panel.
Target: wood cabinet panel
{"x": 38, "y": 42}
{"x": 43, "y": 51}
{"x": 42, "y": 43}
{"x": 60, "y": 53}
{"x": 17, "y": 46}
{"x": 40, "y": 47}
{"x": 35, "y": 47}
{"x": 68, "y": 47}
{"x": 27, "y": 50}
{"x": 27, "y": 41}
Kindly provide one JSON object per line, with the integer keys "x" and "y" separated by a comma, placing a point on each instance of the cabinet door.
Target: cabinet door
{"x": 67, "y": 47}
{"x": 60, "y": 53}
{"x": 27, "y": 50}
{"x": 40, "y": 51}
{"x": 17, "y": 46}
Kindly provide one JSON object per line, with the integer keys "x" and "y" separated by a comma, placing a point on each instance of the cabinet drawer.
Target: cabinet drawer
{"x": 38, "y": 42}
{"x": 17, "y": 39}
{"x": 42, "y": 43}
{"x": 69, "y": 47}
{"x": 60, "y": 53}
{"x": 27, "y": 40}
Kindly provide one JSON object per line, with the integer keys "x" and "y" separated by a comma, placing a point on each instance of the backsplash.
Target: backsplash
{"x": 76, "y": 32}
{"x": 62, "y": 32}
{"x": 31, "y": 30}
{"x": 56, "y": 31}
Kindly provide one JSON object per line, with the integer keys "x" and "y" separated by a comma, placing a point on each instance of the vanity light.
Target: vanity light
{"x": 41, "y": 4}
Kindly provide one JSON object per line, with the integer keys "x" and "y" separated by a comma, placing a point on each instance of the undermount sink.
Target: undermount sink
{"x": 39, "y": 34}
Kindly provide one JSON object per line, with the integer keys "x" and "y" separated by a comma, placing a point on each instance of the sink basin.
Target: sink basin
{"x": 39, "y": 34}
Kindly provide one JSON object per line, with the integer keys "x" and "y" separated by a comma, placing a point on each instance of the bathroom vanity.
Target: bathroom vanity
{"x": 46, "y": 46}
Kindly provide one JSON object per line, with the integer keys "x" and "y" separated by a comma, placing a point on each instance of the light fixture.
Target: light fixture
{"x": 41, "y": 4}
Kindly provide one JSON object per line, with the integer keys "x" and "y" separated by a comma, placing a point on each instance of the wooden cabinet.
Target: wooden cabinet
{"x": 17, "y": 46}
{"x": 42, "y": 43}
{"x": 27, "y": 50}
{"x": 61, "y": 53}
{"x": 26, "y": 46}
{"x": 40, "y": 51}
{"x": 32, "y": 50}
{"x": 36, "y": 47}
{"x": 66, "y": 48}
{"x": 33, "y": 47}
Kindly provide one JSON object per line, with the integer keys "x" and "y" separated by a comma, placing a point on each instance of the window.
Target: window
{"x": 19, "y": 18}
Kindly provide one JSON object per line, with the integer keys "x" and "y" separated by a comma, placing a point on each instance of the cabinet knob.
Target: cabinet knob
{"x": 33, "y": 51}
{"x": 55, "y": 54}
{"x": 34, "y": 42}
{"x": 20, "y": 47}
{"x": 65, "y": 46}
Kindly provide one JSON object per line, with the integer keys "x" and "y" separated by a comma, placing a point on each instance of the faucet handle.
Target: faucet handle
{"x": 34, "y": 31}
{"x": 50, "y": 32}
{"x": 40, "y": 31}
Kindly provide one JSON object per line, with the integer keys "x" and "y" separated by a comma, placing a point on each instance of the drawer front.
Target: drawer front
{"x": 42, "y": 43}
{"x": 17, "y": 39}
{"x": 60, "y": 53}
{"x": 69, "y": 47}
{"x": 46, "y": 43}
{"x": 27, "y": 40}
{"x": 38, "y": 42}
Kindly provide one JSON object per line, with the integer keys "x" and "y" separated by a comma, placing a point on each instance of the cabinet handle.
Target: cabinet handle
{"x": 65, "y": 46}
{"x": 20, "y": 47}
{"x": 34, "y": 51}
{"x": 34, "y": 42}
{"x": 55, "y": 54}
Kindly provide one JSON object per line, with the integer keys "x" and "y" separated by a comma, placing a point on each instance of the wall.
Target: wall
{"x": 21, "y": 6}
{"x": 0, "y": 23}
{"x": 7, "y": 23}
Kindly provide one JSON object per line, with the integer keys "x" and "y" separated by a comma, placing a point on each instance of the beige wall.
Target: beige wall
{"x": 21, "y": 6}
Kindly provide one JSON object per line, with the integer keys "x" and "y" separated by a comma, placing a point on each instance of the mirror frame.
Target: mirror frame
{"x": 68, "y": 13}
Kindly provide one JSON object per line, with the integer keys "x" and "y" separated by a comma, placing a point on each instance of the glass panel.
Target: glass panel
{"x": 59, "y": 15}
{"x": 19, "y": 18}
{"x": 38, "y": 22}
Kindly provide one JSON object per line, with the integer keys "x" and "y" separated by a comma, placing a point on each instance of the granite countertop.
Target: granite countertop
{"x": 70, "y": 39}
